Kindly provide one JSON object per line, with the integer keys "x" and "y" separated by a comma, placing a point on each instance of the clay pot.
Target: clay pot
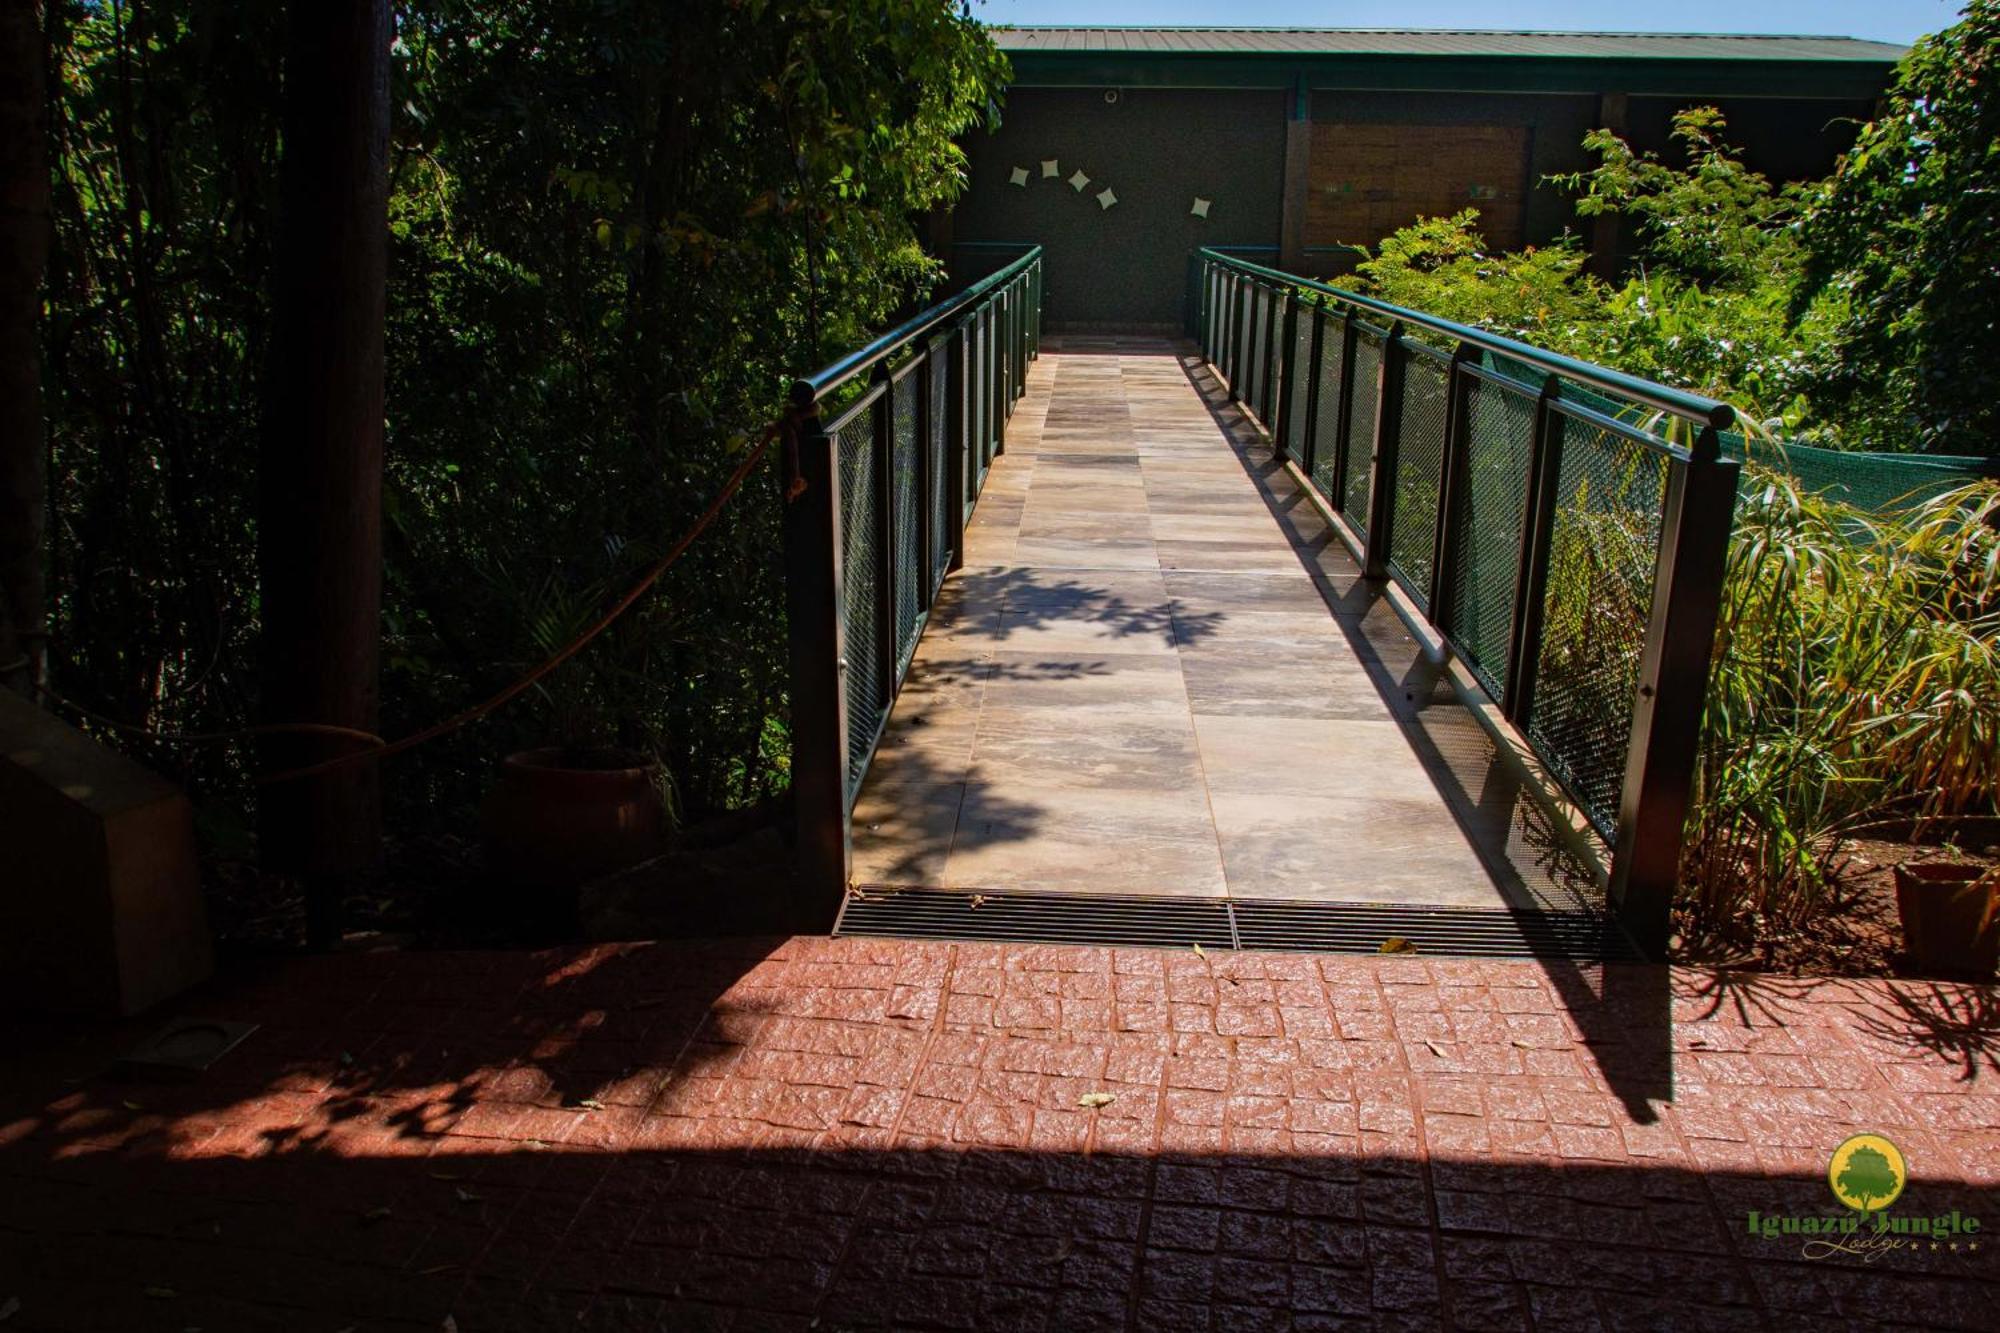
{"x": 1951, "y": 917}
{"x": 562, "y": 817}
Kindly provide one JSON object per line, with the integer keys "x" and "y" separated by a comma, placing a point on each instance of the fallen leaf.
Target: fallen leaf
{"x": 1093, "y": 1100}
{"x": 533, "y": 1145}
{"x": 1436, "y": 1049}
{"x": 977, "y": 901}
{"x": 590, "y": 1104}
{"x": 1522, "y": 1044}
{"x": 1198, "y": 950}
{"x": 1396, "y": 944}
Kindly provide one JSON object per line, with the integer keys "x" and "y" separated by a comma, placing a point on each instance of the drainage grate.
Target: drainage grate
{"x": 1273, "y": 925}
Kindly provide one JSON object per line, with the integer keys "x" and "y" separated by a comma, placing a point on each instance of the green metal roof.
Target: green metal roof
{"x": 1442, "y": 42}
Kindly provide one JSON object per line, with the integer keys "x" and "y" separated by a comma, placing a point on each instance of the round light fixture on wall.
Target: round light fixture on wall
{"x": 1110, "y": 96}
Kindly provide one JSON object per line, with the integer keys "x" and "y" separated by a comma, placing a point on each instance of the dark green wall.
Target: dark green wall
{"x": 1157, "y": 150}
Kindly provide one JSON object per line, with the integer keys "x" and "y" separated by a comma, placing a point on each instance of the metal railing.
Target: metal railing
{"x": 881, "y": 480}
{"x": 1542, "y": 513}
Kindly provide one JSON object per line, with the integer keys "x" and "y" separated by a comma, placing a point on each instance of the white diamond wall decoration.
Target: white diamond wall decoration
{"x": 1200, "y": 208}
{"x": 1106, "y": 199}
{"x": 1049, "y": 169}
{"x": 1078, "y": 181}
{"x": 1018, "y": 176}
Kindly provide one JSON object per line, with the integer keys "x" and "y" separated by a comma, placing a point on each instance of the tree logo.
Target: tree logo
{"x": 1867, "y": 1173}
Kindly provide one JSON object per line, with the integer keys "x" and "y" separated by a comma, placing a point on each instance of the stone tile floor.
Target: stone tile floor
{"x": 812, "y": 1133}
{"x": 1159, "y": 666}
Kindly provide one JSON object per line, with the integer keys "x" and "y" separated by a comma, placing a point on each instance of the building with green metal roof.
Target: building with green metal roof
{"x": 1121, "y": 150}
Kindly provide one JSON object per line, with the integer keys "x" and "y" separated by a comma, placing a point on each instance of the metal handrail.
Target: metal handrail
{"x": 812, "y": 388}
{"x": 1691, "y": 406}
{"x": 1274, "y": 340}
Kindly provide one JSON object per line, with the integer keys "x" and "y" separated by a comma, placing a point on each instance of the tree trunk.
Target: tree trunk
{"x": 24, "y": 244}
{"x": 320, "y": 472}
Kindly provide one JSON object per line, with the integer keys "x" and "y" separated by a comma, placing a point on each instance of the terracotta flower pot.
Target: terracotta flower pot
{"x": 1951, "y": 917}
{"x": 562, "y": 817}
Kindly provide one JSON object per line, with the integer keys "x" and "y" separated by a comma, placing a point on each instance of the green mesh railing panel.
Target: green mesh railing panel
{"x": 866, "y": 672}
{"x": 1298, "y": 373}
{"x": 1361, "y": 427}
{"x": 1327, "y": 414}
{"x": 977, "y": 403}
{"x": 1603, "y": 555}
{"x": 1419, "y": 470}
{"x": 1253, "y": 366}
{"x": 940, "y": 498}
{"x": 1274, "y": 359}
{"x": 1500, "y": 421}
{"x": 907, "y": 516}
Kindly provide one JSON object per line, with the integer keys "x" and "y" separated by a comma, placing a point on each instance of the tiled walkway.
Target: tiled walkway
{"x": 850, "y": 1133}
{"x": 1160, "y": 673}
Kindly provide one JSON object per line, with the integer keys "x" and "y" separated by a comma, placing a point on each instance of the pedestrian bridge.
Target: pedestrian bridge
{"x": 1161, "y": 695}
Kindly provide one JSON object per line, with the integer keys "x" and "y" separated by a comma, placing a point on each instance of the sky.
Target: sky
{"x": 1883, "y": 20}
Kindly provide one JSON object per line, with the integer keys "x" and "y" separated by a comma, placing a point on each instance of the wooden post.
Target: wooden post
{"x": 320, "y": 471}
{"x": 24, "y": 233}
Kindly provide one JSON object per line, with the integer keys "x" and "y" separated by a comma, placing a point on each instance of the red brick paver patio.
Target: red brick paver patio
{"x": 836, "y": 1133}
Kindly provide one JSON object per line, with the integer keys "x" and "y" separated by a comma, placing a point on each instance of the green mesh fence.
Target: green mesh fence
{"x": 1877, "y": 482}
{"x": 866, "y": 672}
{"x": 1487, "y": 524}
{"x": 1603, "y": 552}
{"x": 1255, "y": 362}
{"x": 1361, "y": 425}
{"x": 1328, "y": 411}
{"x": 1419, "y": 470}
{"x": 940, "y": 497}
{"x": 1297, "y": 368}
{"x": 906, "y": 516}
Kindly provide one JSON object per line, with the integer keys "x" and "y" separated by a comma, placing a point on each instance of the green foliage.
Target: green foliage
{"x": 1904, "y": 238}
{"x": 1442, "y": 267}
{"x": 1856, "y": 676}
{"x": 1712, "y": 221}
{"x": 618, "y": 229}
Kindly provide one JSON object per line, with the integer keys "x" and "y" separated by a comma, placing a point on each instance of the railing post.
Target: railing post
{"x": 957, "y": 442}
{"x": 1287, "y": 398}
{"x": 1384, "y": 455}
{"x": 1673, "y": 689}
{"x": 812, "y": 548}
{"x": 1343, "y": 422}
{"x": 1310, "y": 447}
{"x": 883, "y": 418}
{"x": 1531, "y": 576}
{"x": 1451, "y": 484}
